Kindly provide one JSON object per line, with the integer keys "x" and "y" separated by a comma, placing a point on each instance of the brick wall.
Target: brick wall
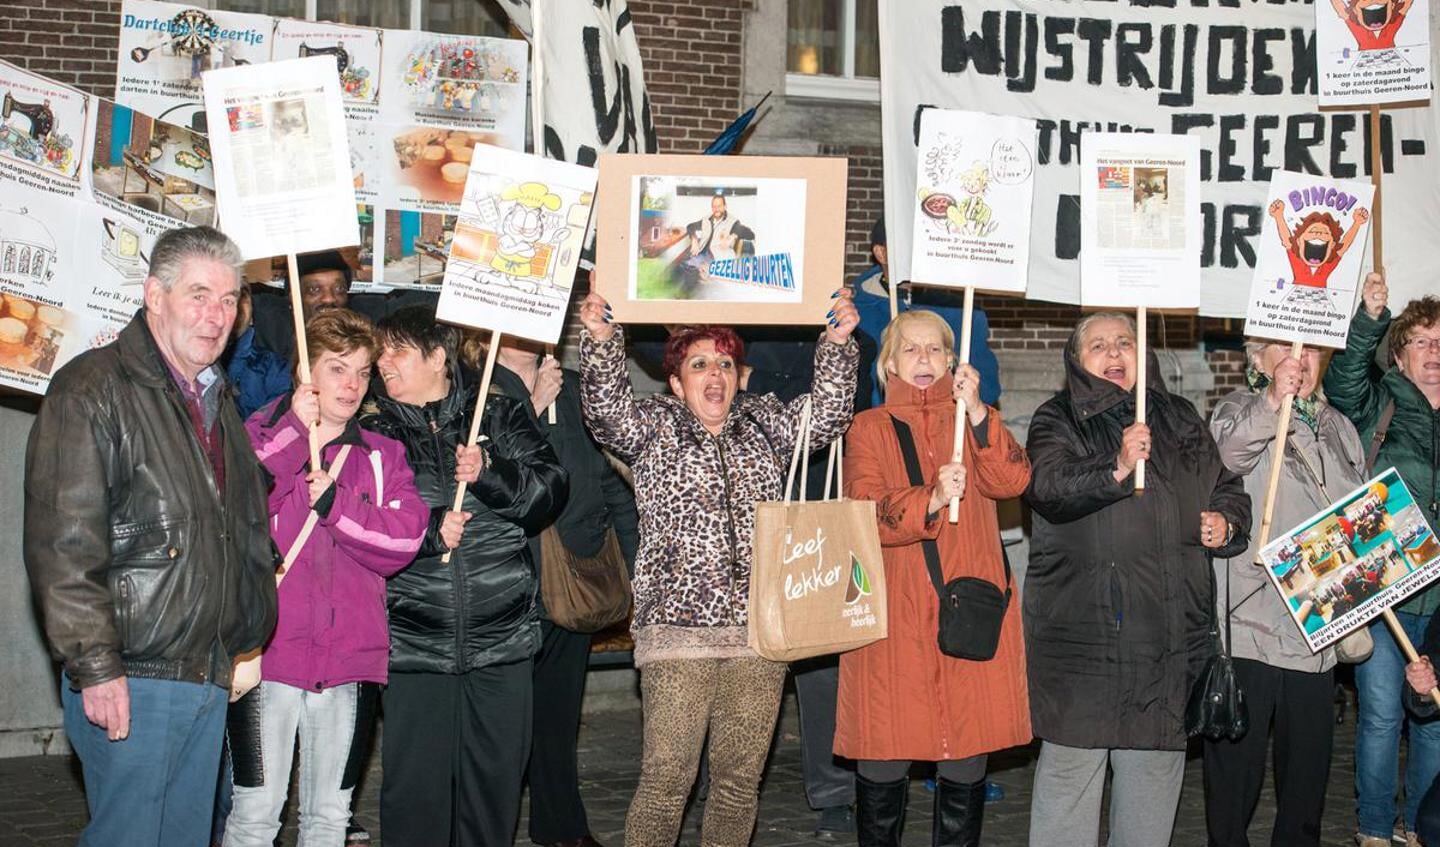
{"x": 692, "y": 55}
{"x": 60, "y": 39}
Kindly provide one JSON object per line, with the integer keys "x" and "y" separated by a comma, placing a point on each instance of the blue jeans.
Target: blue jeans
{"x": 1379, "y": 681}
{"x": 157, "y": 787}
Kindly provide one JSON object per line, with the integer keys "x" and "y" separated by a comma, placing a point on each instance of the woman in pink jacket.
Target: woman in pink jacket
{"x": 321, "y": 671}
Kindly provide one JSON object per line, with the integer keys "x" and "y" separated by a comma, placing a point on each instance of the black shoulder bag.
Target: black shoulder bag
{"x": 971, "y": 609}
{"x": 1216, "y": 706}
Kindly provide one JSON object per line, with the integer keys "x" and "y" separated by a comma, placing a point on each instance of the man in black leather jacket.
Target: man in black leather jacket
{"x": 148, "y": 550}
{"x": 462, "y": 633}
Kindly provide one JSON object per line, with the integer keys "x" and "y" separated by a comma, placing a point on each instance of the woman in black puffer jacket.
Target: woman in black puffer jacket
{"x": 462, "y": 633}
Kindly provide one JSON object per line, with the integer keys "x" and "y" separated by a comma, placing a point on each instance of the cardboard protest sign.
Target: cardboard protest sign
{"x": 1310, "y": 259}
{"x": 282, "y": 164}
{"x": 972, "y": 201}
{"x": 1371, "y": 52}
{"x": 1140, "y": 220}
{"x": 720, "y": 239}
{"x": 517, "y": 244}
{"x": 1346, "y": 565}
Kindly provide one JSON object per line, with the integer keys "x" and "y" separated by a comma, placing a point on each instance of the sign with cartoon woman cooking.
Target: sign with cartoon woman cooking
{"x": 972, "y": 203}
{"x": 1309, "y": 261}
{"x": 1371, "y": 52}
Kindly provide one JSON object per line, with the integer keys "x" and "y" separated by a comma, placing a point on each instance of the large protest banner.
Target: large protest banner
{"x": 1245, "y": 83}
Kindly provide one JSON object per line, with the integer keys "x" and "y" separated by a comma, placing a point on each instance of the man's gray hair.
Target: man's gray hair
{"x": 191, "y": 242}
{"x": 1086, "y": 322}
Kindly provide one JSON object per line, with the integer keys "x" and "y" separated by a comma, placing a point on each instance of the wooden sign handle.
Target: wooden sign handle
{"x": 1406, "y": 646}
{"x": 1140, "y": 368}
{"x": 1377, "y": 167}
{"x": 485, "y": 376}
{"x": 302, "y": 354}
{"x": 1282, "y": 432}
{"x": 958, "y": 450}
{"x": 550, "y": 410}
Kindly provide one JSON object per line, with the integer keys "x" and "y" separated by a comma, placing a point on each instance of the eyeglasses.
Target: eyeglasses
{"x": 1420, "y": 342}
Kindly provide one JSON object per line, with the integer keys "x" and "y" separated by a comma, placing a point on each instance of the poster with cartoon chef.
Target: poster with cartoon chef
{"x": 1372, "y": 52}
{"x": 517, "y": 244}
{"x": 1309, "y": 262}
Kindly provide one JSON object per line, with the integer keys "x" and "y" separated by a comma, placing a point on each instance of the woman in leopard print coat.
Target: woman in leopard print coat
{"x": 701, "y": 459}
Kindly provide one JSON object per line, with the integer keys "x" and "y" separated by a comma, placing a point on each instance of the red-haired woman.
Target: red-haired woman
{"x": 701, "y": 460}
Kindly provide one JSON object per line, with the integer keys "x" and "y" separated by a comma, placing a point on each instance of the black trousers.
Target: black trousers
{"x": 556, "y": 810}
{"x": 828, "y": 781}
{"x": 1297, "y": 710}
{"x": 454, "y": 752}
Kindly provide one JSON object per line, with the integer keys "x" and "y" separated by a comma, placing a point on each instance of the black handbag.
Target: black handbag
{"x": 972, "y": 610}
{"x": 1216, "y": 706}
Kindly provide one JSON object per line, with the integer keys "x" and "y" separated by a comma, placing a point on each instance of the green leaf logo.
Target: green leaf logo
{"x": 859, "y": 581}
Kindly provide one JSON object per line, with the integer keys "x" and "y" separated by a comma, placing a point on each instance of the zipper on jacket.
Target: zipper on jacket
{"x": 729, "y": 524}
{"x": 456, "y": 582}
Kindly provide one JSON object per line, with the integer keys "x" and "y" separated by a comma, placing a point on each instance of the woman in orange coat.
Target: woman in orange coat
{"x": 901, "y": 699}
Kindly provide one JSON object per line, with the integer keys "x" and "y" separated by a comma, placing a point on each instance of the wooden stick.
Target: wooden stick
{"x": 550, "y": 410}
{"x": 894, "y": 299}
{"x": 1406, "y": 646}
{"x": 302, "y": 354}
{"x": 958, "y": 450}
{"x": 1140, "y": 367}
{"x": 1377, "y": 167}
{"x": 485, "y": 376}
{"x": 1282, "y": 432}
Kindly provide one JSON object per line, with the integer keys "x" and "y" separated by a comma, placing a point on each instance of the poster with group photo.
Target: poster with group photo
{"x": 1140, "y": 220}
{"x": 1361, "y": 555}
{"x": 1371, "y": 52}
{"x": 972, "y": 203}
{"x": 1309, "y": 261}
{"x": 517, "y": 243}
{"x": 282, "y": 164}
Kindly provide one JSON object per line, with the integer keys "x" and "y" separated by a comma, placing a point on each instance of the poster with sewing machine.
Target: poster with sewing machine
{"x": 42, "y": 123}
{"x": 1372, "y": 52}
{"x": 1361, "y": 555}
{"x": 165, "y": 48}
{"x": 151, "y": 169}
{"x": 1310, "y": 259}
{"x": 282, "y": 161}
{"x": 354, "y": 49}
{"x": 972, "y": 201}
{"x": 517, "y": 244}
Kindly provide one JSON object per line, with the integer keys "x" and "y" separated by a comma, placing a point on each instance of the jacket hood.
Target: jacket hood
{"x": 447, "y": 408}
{"x": 1091, "y": 395}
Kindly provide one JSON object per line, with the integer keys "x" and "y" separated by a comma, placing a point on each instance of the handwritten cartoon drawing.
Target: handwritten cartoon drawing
{"x": 1373, "y": 22}
{"x": 1316, "y": 245}
{"x": 514, "y": 237}
{"x": 971, "y": 216}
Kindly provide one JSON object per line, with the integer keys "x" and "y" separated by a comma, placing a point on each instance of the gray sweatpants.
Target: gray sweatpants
{"x": 1070, "y": 782}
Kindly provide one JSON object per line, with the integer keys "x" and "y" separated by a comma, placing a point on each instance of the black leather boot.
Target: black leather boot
{"x": 959, "y": 811}
{"x": 880, "y": 811}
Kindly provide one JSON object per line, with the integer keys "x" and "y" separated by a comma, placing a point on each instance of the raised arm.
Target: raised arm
{"x": 1243, "y": 425}
{"x": 998, "y": 468}
{"x": 382, "y": 535}
{"x": 1065, "y": 483}
{"x": 521, "y": 480}
{"x": 902, "y": 513}
{"x": 1356, "y": 224}
{"x": 1352, "y": 381}
{"x": 1277, "y": 209}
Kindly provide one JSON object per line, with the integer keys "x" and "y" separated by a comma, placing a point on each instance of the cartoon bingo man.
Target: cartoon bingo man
{"x": 1316, "y": 246}
{"x": 524, "y": 227}
{"x": 1373, "y": 22}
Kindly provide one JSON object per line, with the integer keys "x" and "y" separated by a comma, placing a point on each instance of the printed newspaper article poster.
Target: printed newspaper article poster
{"x": 1364, "y": 553}
{"x": 1372, "y": 52}
{"x": 1140, "y": 220}
{"x": 972, "y": 203}
{"x": 1309, "y": 260}
{"x": 517, "y": 244}
{"x": 282, "y": 164}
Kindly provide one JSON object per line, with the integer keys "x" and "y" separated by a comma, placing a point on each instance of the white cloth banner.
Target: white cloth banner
{"x": 1243, "y": 83}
